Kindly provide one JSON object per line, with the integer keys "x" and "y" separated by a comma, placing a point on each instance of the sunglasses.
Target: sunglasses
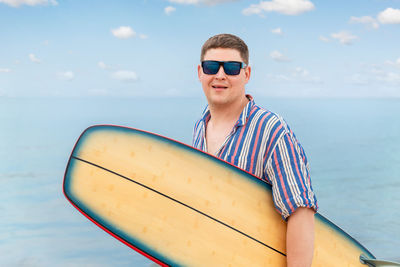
{"x": 211, "y": 67}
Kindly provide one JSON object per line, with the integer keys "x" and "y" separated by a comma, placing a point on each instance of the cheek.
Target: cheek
{"x": 205, "y": 79}
{"x": 236, "y": 81}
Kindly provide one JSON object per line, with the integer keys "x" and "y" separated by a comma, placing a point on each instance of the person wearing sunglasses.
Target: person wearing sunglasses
{"x": 235, "y": 129}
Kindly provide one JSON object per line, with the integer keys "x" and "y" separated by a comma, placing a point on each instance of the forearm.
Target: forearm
{"x": 300, "y": 238}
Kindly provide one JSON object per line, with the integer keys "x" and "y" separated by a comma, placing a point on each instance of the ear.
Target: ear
{"x": 247, "y": 73}
{"x": 199, "y": 72}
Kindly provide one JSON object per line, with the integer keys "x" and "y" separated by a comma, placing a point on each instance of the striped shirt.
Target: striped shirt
{"x": 263, "y": 144}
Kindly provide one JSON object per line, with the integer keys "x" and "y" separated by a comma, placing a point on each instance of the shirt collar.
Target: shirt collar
{"x": 242, "y": 118}
{"x": 246, "y": 112}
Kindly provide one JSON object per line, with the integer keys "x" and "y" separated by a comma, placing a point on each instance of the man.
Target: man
{"x": 236, "y": 130}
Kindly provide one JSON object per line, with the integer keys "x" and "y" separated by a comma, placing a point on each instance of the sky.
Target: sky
{"x": 298, "y": 48}
{"x": 150, "y": 49}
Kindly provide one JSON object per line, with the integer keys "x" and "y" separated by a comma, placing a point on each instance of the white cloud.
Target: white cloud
{"x": 277, "y": 31}
{"x": 301, "y": 72}
{"x": 123, "y": 32}
{"x": 17, "y": 3}
{"x": 143, "y": 36}
{"x": 305, "y": 76}
{"x": 195, "y": 2}
{"x": 169, "y": 9}
{"x": 324, "y": 39}
{"x": 286, "y": 7}
{"x": 252, "y": 10}
{"x": 186, "y": 2}
{"x": 379, "y": 75}
{"x": 105, "y": 66}
{"x": 102, "y": 65}
{"x": 125, "y": 75}
{"x": 278, "y": 56}
{"x": 359, "y": 79}
{"x": 295, "y": 75}
{"x": 278, "y": 77}
{"x": 393, "y": 63}
{"x": 5, "y": 70}
{"x": 389, "y": 62}
{"x": 33, "y": 58}
{"x": 66, "y": 75}
{"x": 389, "y": 16}
{"x": 344, "y": 37}
{"x": 389, "y": 77}
{"x": 369, "y": 21}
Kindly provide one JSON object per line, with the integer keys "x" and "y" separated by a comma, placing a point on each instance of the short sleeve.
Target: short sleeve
{"x": 288, "y": 171}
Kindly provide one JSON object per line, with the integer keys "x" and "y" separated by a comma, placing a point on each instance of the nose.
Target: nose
{"x": 221, "y": 73}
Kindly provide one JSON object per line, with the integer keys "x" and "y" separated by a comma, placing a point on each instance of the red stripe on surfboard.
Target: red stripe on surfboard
{"x": 154, "y": 134}
{"x": 338, "y": 229}
{"x": 96, "y": 223}
{"x": 116, "y": 236}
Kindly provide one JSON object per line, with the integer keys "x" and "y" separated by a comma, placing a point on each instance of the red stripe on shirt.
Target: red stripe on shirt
{"x": 256, "y": 141}
{"x": 297, "y": 170}
{"x": 273, "y": 137}
{"x": 282, "y": 182}
{"x": 240, "y": 136}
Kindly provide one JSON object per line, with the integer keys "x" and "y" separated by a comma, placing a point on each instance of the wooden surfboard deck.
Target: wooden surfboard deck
{"x": 179, "y": 206}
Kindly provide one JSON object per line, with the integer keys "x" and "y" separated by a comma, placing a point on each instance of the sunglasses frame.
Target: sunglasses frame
{"x": 222, "y": 63}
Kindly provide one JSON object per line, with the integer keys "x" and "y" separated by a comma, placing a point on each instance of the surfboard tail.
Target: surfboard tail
{"x": 378, "y": 263}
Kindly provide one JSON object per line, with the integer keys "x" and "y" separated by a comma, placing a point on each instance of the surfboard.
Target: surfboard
{"x": 179, "y": 206}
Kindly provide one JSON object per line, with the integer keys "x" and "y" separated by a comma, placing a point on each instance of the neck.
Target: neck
{"x": 227, "y": 113}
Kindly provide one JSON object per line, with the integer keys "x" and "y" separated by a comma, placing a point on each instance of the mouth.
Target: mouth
{"x": 219, "y": 87}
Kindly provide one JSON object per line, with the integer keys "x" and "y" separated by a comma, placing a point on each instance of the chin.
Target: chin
{"x": 218, "y": 100}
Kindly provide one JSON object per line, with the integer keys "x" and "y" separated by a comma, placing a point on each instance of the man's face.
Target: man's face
{"x": 222, "y": 89}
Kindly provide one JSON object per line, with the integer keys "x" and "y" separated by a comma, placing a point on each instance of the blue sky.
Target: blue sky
{"x": 298, "y": 48}
{"x": 97, "y": 50}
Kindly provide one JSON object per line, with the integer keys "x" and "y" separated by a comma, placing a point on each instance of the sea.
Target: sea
{"x": 353, "y": 146}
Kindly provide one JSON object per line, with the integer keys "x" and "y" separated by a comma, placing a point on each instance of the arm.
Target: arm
{"x": 287, "y": 169}
{"x": 300, "y": 238}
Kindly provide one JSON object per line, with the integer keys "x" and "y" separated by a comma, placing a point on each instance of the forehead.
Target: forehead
{"x": 223, "y": 54}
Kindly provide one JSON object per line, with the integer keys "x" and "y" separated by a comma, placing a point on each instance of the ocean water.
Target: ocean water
{"x": 352, "y": 144}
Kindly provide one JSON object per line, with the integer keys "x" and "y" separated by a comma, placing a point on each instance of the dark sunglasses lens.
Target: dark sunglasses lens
{"x": 210, "y": 67}
{"x": 232, "y": 68}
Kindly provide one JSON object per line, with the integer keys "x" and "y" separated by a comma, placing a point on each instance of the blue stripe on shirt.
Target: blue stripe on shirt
{"x": 262, "y": 143}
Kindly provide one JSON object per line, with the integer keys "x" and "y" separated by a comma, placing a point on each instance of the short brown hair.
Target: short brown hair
{"x": 226, "y": 40}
